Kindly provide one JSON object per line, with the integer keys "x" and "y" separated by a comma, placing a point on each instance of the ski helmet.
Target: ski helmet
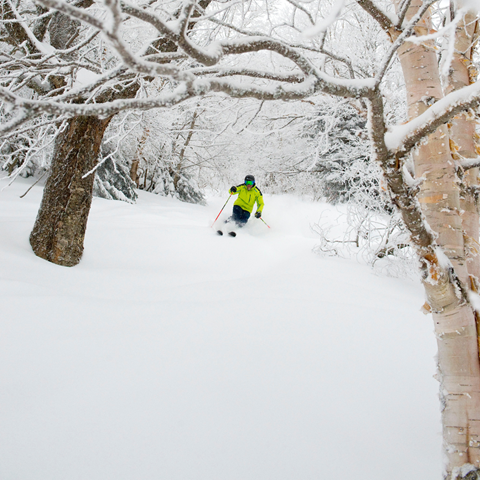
{"x": 250, "y": 178}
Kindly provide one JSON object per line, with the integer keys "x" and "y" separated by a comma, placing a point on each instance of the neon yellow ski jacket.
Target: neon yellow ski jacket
{"x": 247, "y": 198}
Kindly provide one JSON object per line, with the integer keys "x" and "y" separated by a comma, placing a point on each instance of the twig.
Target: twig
{"x": 21, "y": 196}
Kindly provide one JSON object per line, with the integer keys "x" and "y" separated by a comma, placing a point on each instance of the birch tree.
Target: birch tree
{"x": 287, "y": 51}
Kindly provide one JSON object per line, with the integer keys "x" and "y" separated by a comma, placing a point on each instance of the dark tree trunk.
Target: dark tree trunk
{"x": 59, "y": 229}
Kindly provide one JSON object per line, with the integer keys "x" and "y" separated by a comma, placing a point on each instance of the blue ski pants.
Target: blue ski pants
{"x": 240, "y": 216}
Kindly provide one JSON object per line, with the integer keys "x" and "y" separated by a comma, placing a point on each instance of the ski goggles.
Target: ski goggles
{"x": 249, "y": 182}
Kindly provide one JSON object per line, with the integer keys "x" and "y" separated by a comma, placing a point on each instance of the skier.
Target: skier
{"x": 248, "y": 193}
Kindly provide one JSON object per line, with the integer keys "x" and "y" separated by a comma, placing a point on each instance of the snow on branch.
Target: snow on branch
{"x": 39, "y": 45}
{"x": 468, "y": 163}
{"x": 217, "y": 50}
{"x": 230, "y": 72}
{"x": 111, "y": 31}
{"x": 179, "y": 68}
{"x": 403, "y": 138}
{"x": 323, "y": 25}
{"x": 72, "y": 11}
{"x": 30, "y": 108}
{"x": 447, "y": 29}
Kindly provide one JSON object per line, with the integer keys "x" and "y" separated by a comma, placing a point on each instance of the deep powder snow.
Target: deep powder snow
{"x": 173, "y": 353}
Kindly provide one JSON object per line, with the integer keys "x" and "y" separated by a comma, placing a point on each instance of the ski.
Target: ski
{"x": 232, "y": 234}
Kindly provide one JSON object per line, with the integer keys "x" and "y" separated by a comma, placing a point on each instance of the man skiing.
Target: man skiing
{"x": 248, "y": 193}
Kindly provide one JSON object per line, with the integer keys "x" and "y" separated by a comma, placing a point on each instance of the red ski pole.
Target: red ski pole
{"x": 264, "y": 222}
{"x": 222, "y": 211}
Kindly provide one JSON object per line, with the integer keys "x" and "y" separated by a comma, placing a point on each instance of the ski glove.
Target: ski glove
{"x": 258, "y": 215}
{"x": 233, "y": 189}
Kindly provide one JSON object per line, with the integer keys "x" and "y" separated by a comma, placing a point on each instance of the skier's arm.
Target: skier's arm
{"x": 260, "y": 203}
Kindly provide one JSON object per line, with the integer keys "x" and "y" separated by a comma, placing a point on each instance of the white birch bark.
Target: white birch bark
{"x": 439, "y": 196}
{"x": 462, "y": 132}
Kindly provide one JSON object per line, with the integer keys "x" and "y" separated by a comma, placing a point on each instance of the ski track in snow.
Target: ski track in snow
{"x": 173, "y": 353}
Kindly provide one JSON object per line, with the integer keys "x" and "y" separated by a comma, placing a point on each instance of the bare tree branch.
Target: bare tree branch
{"x": 405, "y": 5}
{"x": 381, "y": 17}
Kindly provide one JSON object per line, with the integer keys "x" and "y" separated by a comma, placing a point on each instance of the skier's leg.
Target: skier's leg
{"x": 240, "y": 216}
{"x": 244, "y": 218}
{"x": 237, "y": 214}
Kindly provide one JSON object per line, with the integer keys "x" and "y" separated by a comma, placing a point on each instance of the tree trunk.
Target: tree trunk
{"x": 439, "y": 197}
{"x": 138, "y": 156}
{"x": 59, "y": 229}
{"x": 181, "y": 157}
{"x": 462, "y": 132}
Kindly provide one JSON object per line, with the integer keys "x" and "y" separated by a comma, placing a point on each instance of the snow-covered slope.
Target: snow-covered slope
{"x": 172, "y": 353}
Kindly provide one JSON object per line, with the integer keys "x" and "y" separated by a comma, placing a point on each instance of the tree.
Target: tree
{"x": 446, "y": 282}
{"x": 59, "y": 230}
{"x": 292, "y": 54}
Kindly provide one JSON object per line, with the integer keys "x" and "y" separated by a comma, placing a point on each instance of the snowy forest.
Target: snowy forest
{"x": 359, "y": 120}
